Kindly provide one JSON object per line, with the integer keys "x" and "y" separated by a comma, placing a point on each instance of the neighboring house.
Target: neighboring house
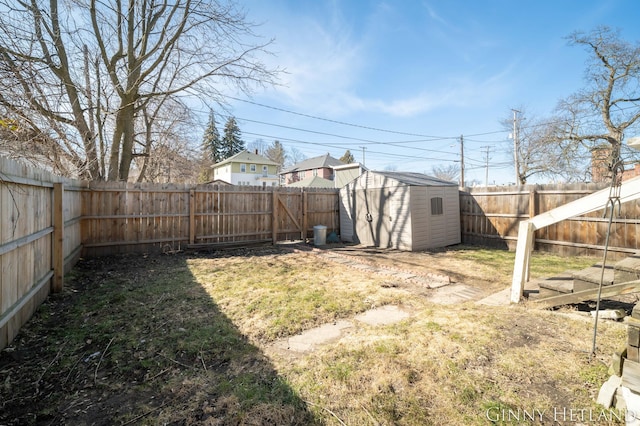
{"x": 346, "y": 173}
{"x": 246, "y": 168}
{"x": 406, "y": 211}
{"x": 600, "y": 159}
{"x": 321, "y": 166}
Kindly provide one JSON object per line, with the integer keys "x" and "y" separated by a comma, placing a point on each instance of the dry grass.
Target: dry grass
{"x": 187, "y": 339}
{"x": 278, "y": 295}
{"x": 450, "y": 365}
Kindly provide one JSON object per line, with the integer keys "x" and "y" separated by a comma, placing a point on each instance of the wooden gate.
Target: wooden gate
{"x": 241, "y": 215}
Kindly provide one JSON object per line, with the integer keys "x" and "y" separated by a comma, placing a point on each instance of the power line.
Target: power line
{"x": 342, "y": 147}
{"x": 343, "y": 123}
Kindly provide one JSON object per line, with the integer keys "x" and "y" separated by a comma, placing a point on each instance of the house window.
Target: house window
{"x": 436, "y": 206}
{"x": 243, "y": 168}
{"x": 252, "y": 168}
{"x": 302, "y": 174}
{"x": 315, "y": 172}
{"x": 265, "y": 171}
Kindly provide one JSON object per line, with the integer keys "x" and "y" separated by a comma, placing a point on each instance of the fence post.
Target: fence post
{"x": 305, "y": 216}
{"x": 274, "y": 218}
{"x": 192, "y": 216}
{"x": 57, "y": 251}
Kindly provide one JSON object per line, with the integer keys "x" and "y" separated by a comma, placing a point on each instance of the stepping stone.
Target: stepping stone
{"x": 383, "y": 315}
{"x": 307, "y": 341}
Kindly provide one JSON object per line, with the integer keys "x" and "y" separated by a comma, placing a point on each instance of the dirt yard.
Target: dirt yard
{"x": 188, "y": 339}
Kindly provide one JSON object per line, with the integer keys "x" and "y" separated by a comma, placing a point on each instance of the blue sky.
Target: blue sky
{"x": 405, "y": 79}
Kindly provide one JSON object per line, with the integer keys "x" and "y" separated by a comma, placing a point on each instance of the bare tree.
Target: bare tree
{"x": 608, "y": 107}
{"x": 295, "y": 156}
{"x": 258, "y": 146}
{"x": 166, "y": 127}
{"x": 86, "y": 70}
{"x": 275, "y": 152}
{"x": 450, "y": 173}
{"x": 541, "y": 152}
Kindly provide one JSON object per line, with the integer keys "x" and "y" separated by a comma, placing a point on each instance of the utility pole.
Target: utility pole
{"x": 363, "y": 148}
{"x": 515, "y": 145}
{"x": 486, "y": 170}
{"x": 461, "y": 161}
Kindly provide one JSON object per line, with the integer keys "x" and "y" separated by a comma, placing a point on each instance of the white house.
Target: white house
{"x": 247, "y": 168}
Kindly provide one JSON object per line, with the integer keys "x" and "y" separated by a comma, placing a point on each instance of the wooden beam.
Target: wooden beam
{"x": 57, "y": 251}
{"x": 629, "y": 190}
{"x": 580, "y": 296}
{"x": 521, "y": 263}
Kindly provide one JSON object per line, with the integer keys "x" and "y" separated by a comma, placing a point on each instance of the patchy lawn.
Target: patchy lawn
{"x": 187, "y": 339}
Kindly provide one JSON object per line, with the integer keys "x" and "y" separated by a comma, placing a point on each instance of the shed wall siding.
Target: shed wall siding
{"x": 401, "y": 215}
{"x": 346, "y": 214}
{"x": 452, "y": 213}
{"x": 420, "y": 218}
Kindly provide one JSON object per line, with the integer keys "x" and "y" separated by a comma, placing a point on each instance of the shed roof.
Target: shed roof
{"x": 314, "y": 163}
{"x": 416, "y": 179}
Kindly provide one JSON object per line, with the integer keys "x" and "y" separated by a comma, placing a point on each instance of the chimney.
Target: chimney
{"x": 256, "y": 151}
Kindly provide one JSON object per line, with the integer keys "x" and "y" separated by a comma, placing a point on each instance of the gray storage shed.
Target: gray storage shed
{"x": 401, "y": 210}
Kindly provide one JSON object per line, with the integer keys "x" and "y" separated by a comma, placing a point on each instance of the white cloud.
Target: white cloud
{"x": 325, "y": 60}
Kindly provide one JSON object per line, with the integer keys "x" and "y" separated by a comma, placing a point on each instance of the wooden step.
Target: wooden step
{"x": 589, "y": 278}
{"x": 627, "y": 269}
{"x": 549, "y": 287}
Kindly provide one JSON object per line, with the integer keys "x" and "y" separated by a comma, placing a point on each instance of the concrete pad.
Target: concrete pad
{"x": 503, "y": 297}
{"x": 500, "y": 298}
{"x": 456, "y": 293}
{"x": 307, "y": 341}
{"x": 384, "y": 315}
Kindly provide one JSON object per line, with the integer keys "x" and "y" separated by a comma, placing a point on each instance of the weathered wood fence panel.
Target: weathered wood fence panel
{"x": 39, "y": 239}
{"x": 490, "y": 216}
{"x": 126, "y": 217}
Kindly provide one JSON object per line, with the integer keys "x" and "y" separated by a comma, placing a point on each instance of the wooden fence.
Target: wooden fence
{"x": 490, "y": 216}
{"x": 47, "y": 222}
{"x": 39, "y": 239}
{"x": 127, "y": 217}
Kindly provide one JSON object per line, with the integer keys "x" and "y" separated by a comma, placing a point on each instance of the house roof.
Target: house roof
{"x": 314, "y": 163}
{"x": 416, "y": 179}
{"x": 246, "y": 157}
{"x": 313, "y": 182}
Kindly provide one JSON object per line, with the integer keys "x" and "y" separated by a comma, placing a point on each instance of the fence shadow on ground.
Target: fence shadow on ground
{"x": 137, "y": 340}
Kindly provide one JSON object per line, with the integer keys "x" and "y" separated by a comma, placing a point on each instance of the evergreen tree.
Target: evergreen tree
{"x": 276, "y": 153}
{"x": 348, "y": 158}
{"x": 211, "y": 143}
{"x": 232, "y": 142}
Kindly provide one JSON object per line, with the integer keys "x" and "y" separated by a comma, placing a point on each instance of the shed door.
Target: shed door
{"x": 372, "y": 220}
